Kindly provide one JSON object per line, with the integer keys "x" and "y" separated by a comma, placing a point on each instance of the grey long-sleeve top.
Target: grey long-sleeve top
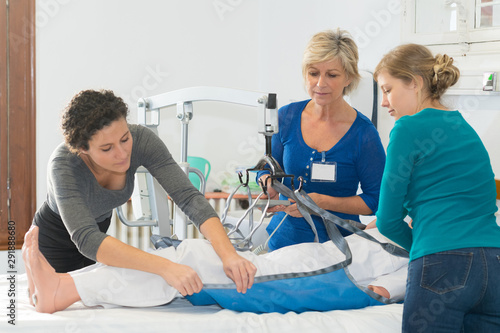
{"x": 75, "y": 194}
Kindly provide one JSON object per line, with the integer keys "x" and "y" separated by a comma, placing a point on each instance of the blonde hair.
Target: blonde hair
{"x": 329, "y": 45}
{"x": 407, "y": 62}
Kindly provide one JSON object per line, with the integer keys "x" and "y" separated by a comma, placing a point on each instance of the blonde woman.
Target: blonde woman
{"x": 327, "y": 142}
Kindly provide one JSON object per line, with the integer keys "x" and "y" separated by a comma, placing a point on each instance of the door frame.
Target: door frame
{"x": 17, "y": 120}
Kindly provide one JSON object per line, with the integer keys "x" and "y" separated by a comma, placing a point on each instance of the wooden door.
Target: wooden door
{"x": 17, "y": 120}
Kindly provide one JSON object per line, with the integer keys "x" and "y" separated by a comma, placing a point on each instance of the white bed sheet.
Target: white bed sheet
{"x": 181, "y": 316}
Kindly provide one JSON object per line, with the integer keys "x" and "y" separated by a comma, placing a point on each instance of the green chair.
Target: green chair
{"x": 201, "y": 164}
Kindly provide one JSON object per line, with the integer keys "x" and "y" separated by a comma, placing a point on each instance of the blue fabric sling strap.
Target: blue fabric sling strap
{"x": 326, "y": 288}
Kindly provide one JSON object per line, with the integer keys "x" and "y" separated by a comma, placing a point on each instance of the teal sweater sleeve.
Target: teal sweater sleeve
{"x": 394, "y": 188}
{"x": 438, "y": 173}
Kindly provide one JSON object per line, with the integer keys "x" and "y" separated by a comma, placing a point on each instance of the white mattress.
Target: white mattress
{"x": 181, "y": 316}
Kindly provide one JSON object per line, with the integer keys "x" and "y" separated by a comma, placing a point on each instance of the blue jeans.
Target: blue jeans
{"x": 454, "y": 291}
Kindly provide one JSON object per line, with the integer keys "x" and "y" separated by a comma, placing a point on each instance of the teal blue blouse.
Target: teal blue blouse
{"x": 437, "y": 172}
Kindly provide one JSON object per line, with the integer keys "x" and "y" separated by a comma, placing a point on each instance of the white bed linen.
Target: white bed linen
{"x": 181, "y": 316}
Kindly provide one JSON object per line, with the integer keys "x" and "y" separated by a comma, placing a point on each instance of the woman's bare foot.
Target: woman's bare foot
{"x": 49, "y": 291}
{"x": 371, "y": 225}
{"x": 27, "y": 243}
{"x": 380, "y": 290}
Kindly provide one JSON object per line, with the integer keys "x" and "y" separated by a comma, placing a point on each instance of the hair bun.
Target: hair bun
{"x": 445, "y": 74}
{"x": 440, "y": 65}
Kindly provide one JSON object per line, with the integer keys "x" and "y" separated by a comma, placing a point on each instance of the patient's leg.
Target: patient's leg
{"x": 49, "y": 291}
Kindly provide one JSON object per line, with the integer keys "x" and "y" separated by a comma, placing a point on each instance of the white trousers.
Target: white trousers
{"x": 111, "y": 286}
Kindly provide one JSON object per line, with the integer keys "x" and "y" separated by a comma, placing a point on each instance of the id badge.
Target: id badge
{"x": 324, "y": 172}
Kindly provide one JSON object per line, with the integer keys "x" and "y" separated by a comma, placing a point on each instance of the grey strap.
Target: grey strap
{"x": 333, "y": 231}
{"x": 290, "y": 194}
{"x": 331, "y": 220}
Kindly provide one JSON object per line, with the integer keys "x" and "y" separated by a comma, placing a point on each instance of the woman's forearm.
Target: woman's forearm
{"x": 349, "y": 205}
{"x": 213, "y": 231}
{"x": 113, "y": 252}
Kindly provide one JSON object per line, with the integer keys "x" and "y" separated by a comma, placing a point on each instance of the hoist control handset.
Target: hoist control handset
{"x": 272, "y": 203}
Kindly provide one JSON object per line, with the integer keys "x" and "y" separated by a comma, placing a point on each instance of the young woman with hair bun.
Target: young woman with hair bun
{"x": 438, "y": 173}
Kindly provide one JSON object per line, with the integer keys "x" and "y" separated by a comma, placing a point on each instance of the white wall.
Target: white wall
{"x": 287, "y": 26}
{"x": 148, "y": 47}
{"x": 143, "y": 48}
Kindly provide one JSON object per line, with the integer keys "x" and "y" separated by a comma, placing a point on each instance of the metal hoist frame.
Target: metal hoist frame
{"x": 148, "y": 114}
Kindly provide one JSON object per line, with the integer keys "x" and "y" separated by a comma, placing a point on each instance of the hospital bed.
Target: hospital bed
{"x": 180, "y": 315}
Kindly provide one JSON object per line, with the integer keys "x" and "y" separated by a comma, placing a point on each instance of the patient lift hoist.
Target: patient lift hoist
{"x": 159, "y": 217}
{"x": 148, "y": 115}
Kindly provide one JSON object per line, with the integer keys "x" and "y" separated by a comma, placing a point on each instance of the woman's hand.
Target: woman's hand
{"x": 113, "y": 252}
{"x": 293, "y": 210}
{"x": 237, "y": 268}
{"x": 277, "y": 208}
{"x": 183, "y": 278}
{"x": 240, "y": 270}
{"x": 317, "y": 198}
{"x": 271, "y": 192}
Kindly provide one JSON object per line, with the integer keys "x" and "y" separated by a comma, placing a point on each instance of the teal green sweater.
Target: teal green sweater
{"x": 437, "y": 172}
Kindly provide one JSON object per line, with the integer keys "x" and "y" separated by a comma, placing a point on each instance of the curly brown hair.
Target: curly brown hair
{"x": 88, "y": 112}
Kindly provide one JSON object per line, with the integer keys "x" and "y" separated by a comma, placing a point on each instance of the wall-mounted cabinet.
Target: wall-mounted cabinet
{"x": 468, "y": 30}
{"x": 447, "y": 22}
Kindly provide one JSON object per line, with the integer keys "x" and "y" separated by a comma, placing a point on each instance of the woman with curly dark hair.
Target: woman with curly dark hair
{"x": 93, "y": 172}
